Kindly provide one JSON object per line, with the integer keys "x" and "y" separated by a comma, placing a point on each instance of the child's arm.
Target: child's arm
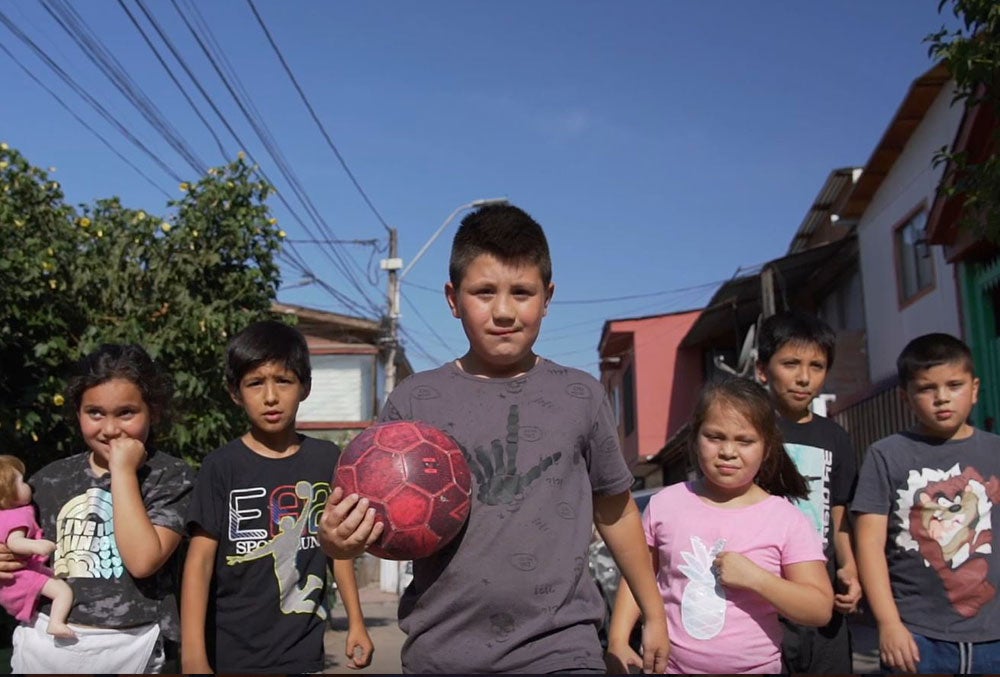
{"x": 620, "y": 655}
{"x": 347, "y": 526}
{"x": 847, "y": 568}
{"x": 359, "y": 647}
{"x": 199, "y": 566}
{"x": 801, "y": 594}
{"x": 20, "y": 544}
{"x": 617, "y": 520}
{"x": 896, "y": 646}
{"x": 144, "y": 547}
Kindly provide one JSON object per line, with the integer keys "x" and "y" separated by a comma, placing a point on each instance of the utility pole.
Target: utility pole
{"x": 392, "y": 264}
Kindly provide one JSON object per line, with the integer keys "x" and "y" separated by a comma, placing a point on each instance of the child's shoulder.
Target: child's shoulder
{"x": 69, "y": 466}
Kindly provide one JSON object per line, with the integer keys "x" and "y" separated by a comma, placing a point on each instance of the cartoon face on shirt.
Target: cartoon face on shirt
{"x": 945, "y": 517}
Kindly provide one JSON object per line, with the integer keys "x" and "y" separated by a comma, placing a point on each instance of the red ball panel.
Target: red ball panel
{"x": 380, "y": 472}
{"x": 428, "y": 467}
{"x": 398, "y": 438}
{"x": 409, "y": 507}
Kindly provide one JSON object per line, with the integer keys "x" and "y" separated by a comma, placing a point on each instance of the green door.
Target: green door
{"x": 981, "y": 308}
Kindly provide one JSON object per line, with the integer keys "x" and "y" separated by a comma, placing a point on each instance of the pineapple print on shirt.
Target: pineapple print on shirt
{"x": 703, "y": 606}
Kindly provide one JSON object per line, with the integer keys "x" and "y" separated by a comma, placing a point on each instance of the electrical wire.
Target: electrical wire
{"x": 312, "y": 112}
{"x": 83, "y": 122}
{"x": 85, "y": 95}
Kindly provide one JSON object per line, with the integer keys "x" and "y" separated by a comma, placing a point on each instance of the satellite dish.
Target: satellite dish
{"x": 747, "y": 361}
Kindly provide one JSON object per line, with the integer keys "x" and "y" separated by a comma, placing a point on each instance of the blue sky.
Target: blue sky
{"x": 661, "y": 144}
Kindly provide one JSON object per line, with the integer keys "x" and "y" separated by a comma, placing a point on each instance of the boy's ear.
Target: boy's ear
{"x": 451, "y": 295}
{"x": 975, "y": 390}
{"x": 761, "y": 369}
{"x": 548, "y": 297}
{"x": 234, "y": 395}
{"x": 306, "y": 389}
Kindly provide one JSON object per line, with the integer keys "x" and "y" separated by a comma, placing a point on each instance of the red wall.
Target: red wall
{"x": 667, "y": 379}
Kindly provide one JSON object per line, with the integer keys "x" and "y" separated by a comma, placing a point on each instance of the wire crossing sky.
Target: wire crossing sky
{"x": 663, "y": 145}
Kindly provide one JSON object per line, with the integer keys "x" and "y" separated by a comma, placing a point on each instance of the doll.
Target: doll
{"x": 22, "y": 535}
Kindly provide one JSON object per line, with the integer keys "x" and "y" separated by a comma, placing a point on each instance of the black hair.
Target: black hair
{"x": 267, "y": 341}
{"x": 794, "y": 326}
{"x": 504, "y": 231}
{"x": 130, "y": 362}
{"x": 778, "y": 474}
{"x": 932, "y": 350}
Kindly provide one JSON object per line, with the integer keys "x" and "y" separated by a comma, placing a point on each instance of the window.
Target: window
{"x": 343, "y": 389}
{"x": 914, "y": 266}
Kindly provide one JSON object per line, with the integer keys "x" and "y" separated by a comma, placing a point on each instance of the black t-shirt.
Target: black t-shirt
{"x": 267, "y": 602}
{"x": 823, "y": 454}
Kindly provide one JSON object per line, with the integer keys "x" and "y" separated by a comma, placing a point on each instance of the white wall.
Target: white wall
{"x": 911, "y": 182}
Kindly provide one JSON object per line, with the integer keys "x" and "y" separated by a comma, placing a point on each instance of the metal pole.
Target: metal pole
{"x": 392, "y": 264}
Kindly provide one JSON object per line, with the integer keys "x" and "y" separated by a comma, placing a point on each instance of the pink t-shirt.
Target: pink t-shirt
{"x": 712, "y": 629}
{"x": 20, "y": 595}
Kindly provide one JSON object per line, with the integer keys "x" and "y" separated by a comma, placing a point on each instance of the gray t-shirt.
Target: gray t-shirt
{"x": 75, "y": 510}
{"x": 941, "y": 498}
{"x": 512, "y": 592}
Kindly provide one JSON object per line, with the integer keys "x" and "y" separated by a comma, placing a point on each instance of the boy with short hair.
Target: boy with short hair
{"x": 925, "y": 505}
{"x": 513, "y": 593}
{"x": 795, "y": 354}
{"x": 255, "y": 576}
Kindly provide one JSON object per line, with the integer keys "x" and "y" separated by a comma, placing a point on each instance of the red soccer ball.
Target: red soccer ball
{"x": 418, "y": 481}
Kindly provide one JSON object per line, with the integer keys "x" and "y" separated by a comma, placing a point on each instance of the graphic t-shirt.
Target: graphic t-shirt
{"x": 715, "y": 629}
{"x": 512, "y": 592}
{"x": 267, "y": 602}
{"x": 941, "y": 499}
{"x": 75, "y": 508}
{"x": 823, "y": 454}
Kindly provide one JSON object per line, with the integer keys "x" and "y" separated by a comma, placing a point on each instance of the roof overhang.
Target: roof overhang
{"x": 922, "y": 93}
{"x": 737, "y": 303}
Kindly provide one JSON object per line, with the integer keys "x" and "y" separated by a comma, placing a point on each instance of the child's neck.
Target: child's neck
{"x": 723, "y": 498}
{"x": 799, "y": 416}
{"x": 473, "y": 365}
{"x": 963, "y": 433}
{"x": 278, "y": 445}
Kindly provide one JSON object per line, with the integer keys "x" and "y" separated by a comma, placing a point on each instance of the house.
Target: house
{"x": 652, "y": 384}
{"x": 908, "y": 285}
{"x": 977, "y": 265}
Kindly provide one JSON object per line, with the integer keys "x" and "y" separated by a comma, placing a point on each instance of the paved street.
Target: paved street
{"x": 380, "y": 616}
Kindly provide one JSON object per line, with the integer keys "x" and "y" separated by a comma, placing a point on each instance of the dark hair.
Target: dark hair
{"x": 504, "y": 231}
{"x": 932, "y": 350}
{"x": 267, "y": 341}
{"x": 130, "y": 362}
{"x": 777, "y": 475}
{"x": 794, "y": 326}
{"x": 10, "y": 466}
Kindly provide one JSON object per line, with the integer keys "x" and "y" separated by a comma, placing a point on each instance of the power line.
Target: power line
{"x": 83, "y": 122}
{"x": 173, "y": 78}
{"x": 216, "y": 58}
{"x": 92, "y": 47}
{"x": 322, "y": 129}
{"x": 86, "y": 96}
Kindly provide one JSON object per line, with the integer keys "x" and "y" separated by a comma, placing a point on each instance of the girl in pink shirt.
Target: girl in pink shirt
{"x": 729, "y": 551}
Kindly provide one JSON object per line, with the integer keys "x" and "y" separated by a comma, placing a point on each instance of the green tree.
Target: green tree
{"x": 71, "y": 279}
{"x": 972, "y": 53}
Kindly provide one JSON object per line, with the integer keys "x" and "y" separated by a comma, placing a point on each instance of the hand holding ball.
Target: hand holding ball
{"x": 418, "y": 481}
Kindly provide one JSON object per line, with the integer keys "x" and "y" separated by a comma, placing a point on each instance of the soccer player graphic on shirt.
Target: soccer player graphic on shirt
{"x": 284, "y": 548}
